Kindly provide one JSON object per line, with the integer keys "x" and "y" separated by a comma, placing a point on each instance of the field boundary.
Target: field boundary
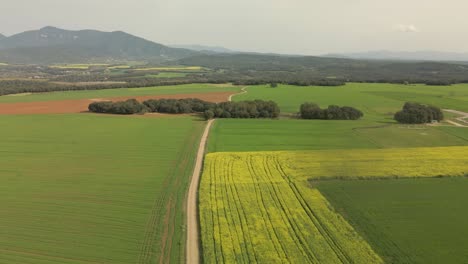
{"x": 193, "y": 233}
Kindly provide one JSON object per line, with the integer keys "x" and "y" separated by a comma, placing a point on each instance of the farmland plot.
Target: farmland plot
{"x": 251, "y": 211}
{"x": 94, "y": 189}
{"x": 264, "y": 206}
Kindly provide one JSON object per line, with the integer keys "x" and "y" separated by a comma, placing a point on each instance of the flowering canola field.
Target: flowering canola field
{"x": 261, "y": 207}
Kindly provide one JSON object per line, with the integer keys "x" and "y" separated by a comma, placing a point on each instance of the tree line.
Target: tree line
{"x": 333, "y": 112}
{"x": 242, "y": 109}
{"x": 415, "y": 113}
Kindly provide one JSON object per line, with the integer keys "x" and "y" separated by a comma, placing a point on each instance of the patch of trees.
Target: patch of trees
{"x": 244, "y": 109}
{"x": 415, "y": 113}
{"x": 127, "y": 107}
{"x": 178, "y": 106}
{"x": 333, "y": 112}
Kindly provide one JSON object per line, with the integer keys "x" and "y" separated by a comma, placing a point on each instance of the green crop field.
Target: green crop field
{"x": 377, "y": 129}
{"x": 108, "y": 93}
{"x": 375, "y": 100}
{"x": 94, "y": 189}
{"x": 407, "y": 221}
{"x": 289, "y": 134}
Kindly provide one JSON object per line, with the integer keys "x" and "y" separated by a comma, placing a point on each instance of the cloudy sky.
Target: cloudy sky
{"x": 285, "y": 26}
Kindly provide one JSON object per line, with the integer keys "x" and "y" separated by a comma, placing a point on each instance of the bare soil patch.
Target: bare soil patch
{"x": 81, "y": 105}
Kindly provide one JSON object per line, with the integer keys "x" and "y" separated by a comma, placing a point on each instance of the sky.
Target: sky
{"x": 309, "y": 27}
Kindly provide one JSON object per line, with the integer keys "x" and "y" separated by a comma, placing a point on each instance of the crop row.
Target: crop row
{"x": 252, "y": 212}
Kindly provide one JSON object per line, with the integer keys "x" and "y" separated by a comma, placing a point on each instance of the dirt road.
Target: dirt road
{"x": 243, "y": 91}
{"x": 193, "y": 245}
{"x": 461, "y": 121}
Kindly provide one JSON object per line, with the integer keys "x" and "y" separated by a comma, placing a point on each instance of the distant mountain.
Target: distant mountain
{"x": 410, "y": 56}
{"x": 54, "y": 45}
{"x": 214, "y": 49}
{"x": 2, "y": 36}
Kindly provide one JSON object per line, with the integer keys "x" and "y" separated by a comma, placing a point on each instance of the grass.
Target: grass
{"x": 252, "y": 212}
{"x": 407, "y": 221}
{"x": 288, "y": 134}
{"x": 94, "y": 189}
{"x": 375, "y": 100}
{"x": 108, "y": 93}
{"x": 376, "y": 130}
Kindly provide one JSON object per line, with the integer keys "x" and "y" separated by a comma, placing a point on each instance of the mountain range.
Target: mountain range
{"x": 206, "y": 49}
{"x": 404, "y": 55}
{"x": 54, "y": 45}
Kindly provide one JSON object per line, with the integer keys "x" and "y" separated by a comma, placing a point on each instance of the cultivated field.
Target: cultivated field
{"x": 122, "y": 92}
{"x": 264, "y": 206}
{"x": 288, "y": 134}
{"x": 375, "y": 100}
{"x": 252, "y": 212}
{"x": 407, "y": 221}
{"x": 87, "y": 188}
{"x": 94, "y": 189}
{"x": 376, "y": 130}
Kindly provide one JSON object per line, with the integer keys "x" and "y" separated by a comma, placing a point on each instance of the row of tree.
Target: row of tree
{"x": 128, "y": 107}
{"x": 178, "y": 106}
{"x": 242, "y": 109}
{"x": 333, "y": 112}
{"x": 415, "y": 113}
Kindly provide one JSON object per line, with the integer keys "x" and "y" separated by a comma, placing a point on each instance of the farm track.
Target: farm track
{"x": 192, "y": 245}
{"x": 252, "y": 212}
{"x": 461, "y": 121}
{"x": 243, "y": 91}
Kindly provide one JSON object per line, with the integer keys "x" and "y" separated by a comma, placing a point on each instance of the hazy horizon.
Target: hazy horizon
{"x": 296, "y": 27}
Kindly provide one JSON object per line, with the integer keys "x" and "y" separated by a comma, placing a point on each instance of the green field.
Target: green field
{"x": 108, "y": 93}
{"x": 86, "y": 188}
{"x": 407, "y": 221}
{"x": 376, "y": 130}
{"x": 94, "y": 189}
{"x": 288, "y": 134}
{"x": 375, "y": 100}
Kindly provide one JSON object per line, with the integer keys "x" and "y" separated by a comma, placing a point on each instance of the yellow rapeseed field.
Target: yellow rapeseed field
{"x": 259, "y": 207}
{"x": 252, "y": 212}
{"x": 380, "y": 163}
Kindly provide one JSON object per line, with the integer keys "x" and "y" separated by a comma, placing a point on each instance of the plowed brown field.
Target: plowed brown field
{"x": 78, "y": 106}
